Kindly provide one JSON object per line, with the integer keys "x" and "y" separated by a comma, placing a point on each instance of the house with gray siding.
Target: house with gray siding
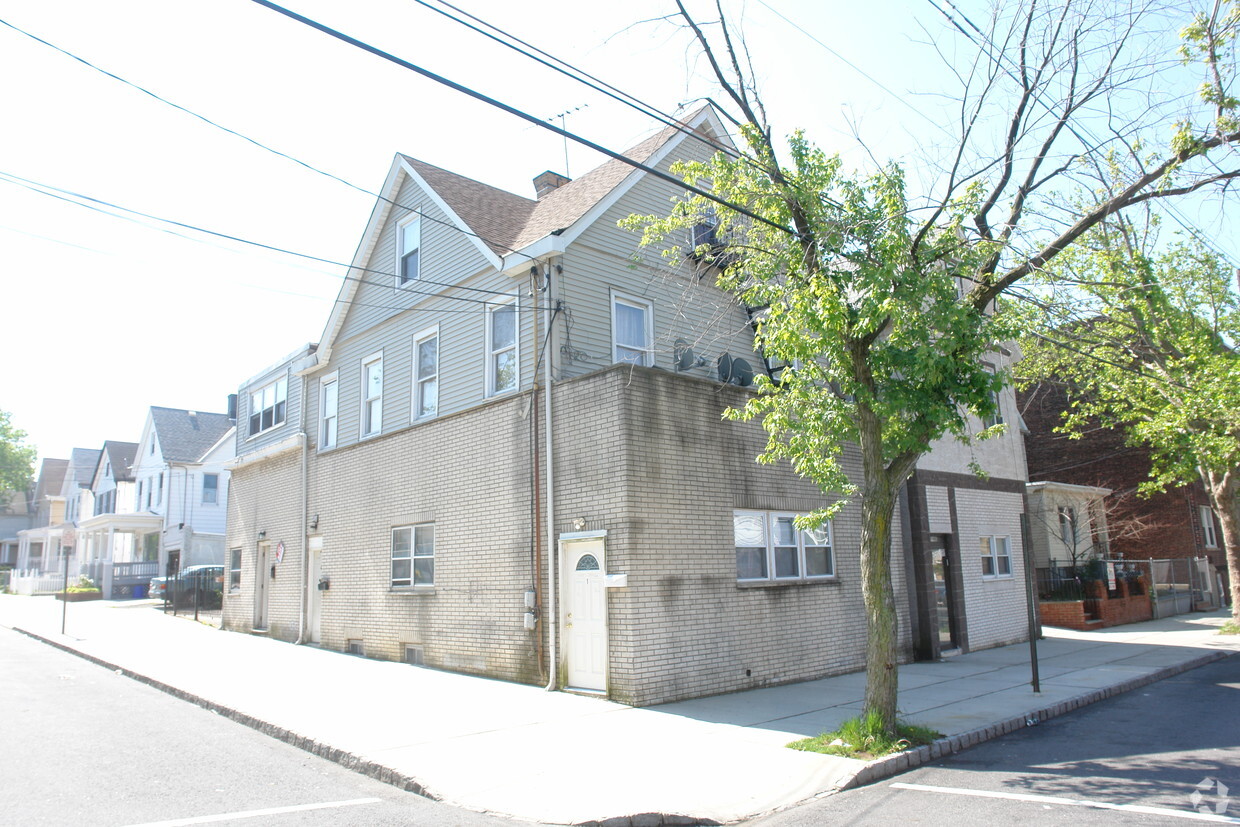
{"x": 506, "y": 456}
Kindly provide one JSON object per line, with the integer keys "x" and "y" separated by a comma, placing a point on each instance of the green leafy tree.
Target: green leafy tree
{"x": 1146, "y": 341}
{"x": 882, "y": 308}
{"x": 16, "y": 458}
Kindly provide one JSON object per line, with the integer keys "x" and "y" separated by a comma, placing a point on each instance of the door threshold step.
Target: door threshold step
{"x": 593, "y": 693}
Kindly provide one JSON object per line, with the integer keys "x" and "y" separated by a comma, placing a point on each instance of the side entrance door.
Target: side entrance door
{"x": 585, "y": 619}
{"x": 314, "y": 598}
{"x": 262, "y": 579}
{"x": 940, "y": 562}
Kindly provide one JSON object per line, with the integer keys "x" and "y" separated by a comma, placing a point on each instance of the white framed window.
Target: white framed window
{"x": 159, "y": 496}
{"x": 413, "y": 555}
{"x": 372, "y": 394}
{"x": 997, "y": 417}
{"x": 426, "y": 373}
{"x": 503, "y": 358}
{"x": 409, "y": 246}
{"x": 632, "y": 330}
{"x": 996, "y": 556}
{"x": 268, "y": 406}
{"x": 329, "y": 408}
{"x": 1067, "y": 526}
{"x": 769, "y": 546}
{"x": 1209, "y": 537}
{"x": 234, "y": 570}
{"x": 210, "y": 489}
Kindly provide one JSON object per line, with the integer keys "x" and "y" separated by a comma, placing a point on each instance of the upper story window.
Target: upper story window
{"x": 1067, "y": 526}
{"x": 426, "y": 373}
{"x": 210, "y": 489}
{"x": 372, "y": 395}
{"x": 1209, "y": 538}
{"x": 995, "y": 418}
{"x": 268, "y": 405}
{"x": 769, "y": 546}
{"x": 502, "y": 359}
{"x": 329, "y": 404}
{"x": 996, "y": 557}
{"x": 410, "y": 248}
{"x": 632, "y": 331}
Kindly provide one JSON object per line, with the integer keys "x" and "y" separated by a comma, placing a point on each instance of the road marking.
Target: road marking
{"x": 1071, "y": 802}
{"x": 270, "y": 811}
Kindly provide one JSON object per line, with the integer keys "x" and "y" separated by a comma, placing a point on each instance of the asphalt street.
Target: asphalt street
{"x": 1152, "y": 756}
{"x": 83, "y": 745}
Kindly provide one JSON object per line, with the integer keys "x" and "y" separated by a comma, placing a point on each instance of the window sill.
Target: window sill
{"x": 986, "y": 578}
{"x": 800, "y": 581}
{"x": 427, "y": 589}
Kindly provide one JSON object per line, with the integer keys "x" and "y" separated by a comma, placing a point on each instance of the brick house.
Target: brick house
{"x": 1180, "y": 522}
{"x": 408, "y": 489}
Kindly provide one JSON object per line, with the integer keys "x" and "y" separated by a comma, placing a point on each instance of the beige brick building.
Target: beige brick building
{"x": 407, "y": 489}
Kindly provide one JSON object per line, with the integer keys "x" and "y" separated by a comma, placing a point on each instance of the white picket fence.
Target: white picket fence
{"x": 37, "y": 582}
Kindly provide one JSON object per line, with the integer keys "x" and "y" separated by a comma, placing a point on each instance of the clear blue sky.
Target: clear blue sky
{"x": 104, "y": 317}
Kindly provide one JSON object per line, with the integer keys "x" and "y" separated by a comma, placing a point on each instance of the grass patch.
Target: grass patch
{"x": 863, "y": 738}
{"x": 1231, "y": 627}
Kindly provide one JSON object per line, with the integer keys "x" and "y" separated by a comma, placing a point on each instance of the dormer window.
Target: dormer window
{"x": 410, "y": 248}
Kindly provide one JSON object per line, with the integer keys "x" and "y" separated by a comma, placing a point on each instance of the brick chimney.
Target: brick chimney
{"x": 548, "y": 182}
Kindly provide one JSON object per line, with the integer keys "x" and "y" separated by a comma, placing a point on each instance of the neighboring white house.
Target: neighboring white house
{"x": 507, "y": 456}
{"x": 108, "y": 543}
{"x": 180, "y": 476}
{"x": 38, "y": 547}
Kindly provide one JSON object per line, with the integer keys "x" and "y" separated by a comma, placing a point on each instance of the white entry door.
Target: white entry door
{"x": 262, "y": 578}
{"x": 314, "y": 597}
{"x": 585, "y": 621}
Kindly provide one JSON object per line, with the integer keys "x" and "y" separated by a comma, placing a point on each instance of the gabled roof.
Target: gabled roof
{"x": 120, "y": 456}
{"x": 184, "y": 436}
{"x": 501, "y": 222}
{"x": 84, "y": 461}
{"x": 51, "y": 479}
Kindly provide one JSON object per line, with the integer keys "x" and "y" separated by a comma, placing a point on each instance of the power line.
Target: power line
{"x": 525, "y": 116}
{"x": 77, "y": 198}
{"x": 580, "y": 75}
{"x": 254, "y": 142}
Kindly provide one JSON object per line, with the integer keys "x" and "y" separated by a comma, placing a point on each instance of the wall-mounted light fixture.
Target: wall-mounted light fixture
{"x": 579, "y": 524}
{"x": 262, "y": 535}
{"x": 314, "y": 521}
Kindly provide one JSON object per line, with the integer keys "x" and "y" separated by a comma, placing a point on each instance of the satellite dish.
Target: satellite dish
{"x": 742, "y": 373}
{"x": 724, "y": 365}
{"x": 683, "y": 355}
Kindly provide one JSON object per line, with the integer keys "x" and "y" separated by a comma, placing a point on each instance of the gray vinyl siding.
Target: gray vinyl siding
{"x": 606, "y": 258}
{"x": 292, "y": 417}
{"x": 447, "y": 256}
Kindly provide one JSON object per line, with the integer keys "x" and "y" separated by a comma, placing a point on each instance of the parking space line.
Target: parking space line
{"x": 270, "y": 811}
{"x": 1071, "y": 802}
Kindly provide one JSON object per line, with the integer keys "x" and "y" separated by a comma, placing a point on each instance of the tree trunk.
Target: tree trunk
{"x": 882, "y": 624}
{"x": 1226, "y": 501}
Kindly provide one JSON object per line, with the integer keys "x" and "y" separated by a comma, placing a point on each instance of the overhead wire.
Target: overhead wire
{"x": 311, "y": 167}
{"x": 97, "y": 204}
{"x": 519, "y": 113}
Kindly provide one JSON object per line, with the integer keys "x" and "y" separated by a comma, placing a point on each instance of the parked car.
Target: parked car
{"x": 158, "y": 588}
{"x": 204, "y": 582}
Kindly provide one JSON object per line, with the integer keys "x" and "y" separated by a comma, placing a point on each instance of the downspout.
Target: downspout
{"x": 553, "y": 666}
{"x": 305, "y": 518}
{"x": 536, "y": 487}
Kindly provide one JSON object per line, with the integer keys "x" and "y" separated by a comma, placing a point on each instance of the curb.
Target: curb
{"x": 952, "y": 744}
{"x": 874, "y": 771}
{"x": 347, "y": 760}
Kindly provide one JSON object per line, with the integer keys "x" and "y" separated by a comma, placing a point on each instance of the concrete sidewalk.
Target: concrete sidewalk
{"x": 565, "y": 759}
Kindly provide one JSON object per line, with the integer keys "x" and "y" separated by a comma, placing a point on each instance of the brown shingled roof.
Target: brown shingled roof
{"x": 507, "y": 222}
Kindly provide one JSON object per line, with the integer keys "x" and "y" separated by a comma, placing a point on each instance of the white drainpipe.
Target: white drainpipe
{"x": 552, "y": 616}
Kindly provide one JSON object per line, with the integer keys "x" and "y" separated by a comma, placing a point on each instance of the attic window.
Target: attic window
{"x": 267, "y": 406}
{"x": 410, "y": 249}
